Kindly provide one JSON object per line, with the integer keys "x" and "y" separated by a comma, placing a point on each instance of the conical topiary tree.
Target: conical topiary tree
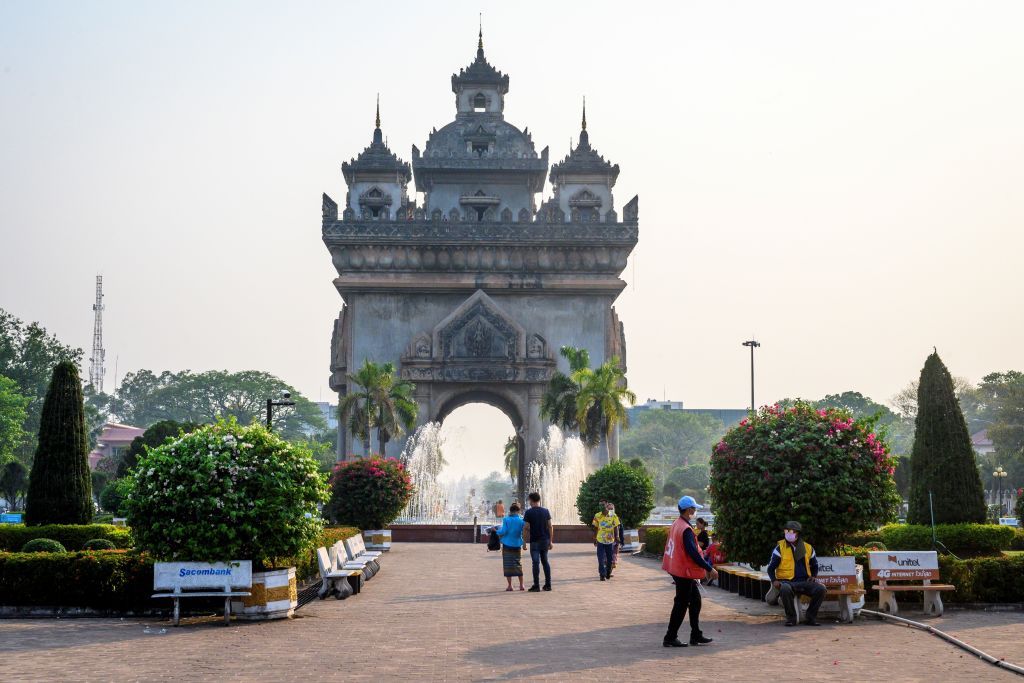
{"x": 60, "y": 485}
{"x": 942, "y": 460}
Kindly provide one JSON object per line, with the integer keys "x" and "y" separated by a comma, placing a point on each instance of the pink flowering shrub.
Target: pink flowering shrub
{"x": 368, "y": 493}
{"x": 822, "y": 468}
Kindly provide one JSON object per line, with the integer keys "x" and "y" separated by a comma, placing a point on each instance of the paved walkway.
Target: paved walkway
{"x": 439, "y": 612}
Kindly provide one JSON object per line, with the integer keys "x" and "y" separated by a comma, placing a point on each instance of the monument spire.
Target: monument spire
{"x": 378, "y": 136}
{"x": 584, "y": 112}
{"x": 480, "y": 39}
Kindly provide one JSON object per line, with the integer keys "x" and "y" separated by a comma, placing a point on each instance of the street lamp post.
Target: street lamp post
{"x": 285, "y": 401}
{"x": 997, "y": 478}
{"x": 753, "y": 345}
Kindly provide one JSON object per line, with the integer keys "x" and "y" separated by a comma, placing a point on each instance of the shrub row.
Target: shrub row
{"x": 111, "y": 579}
{"x": 13, "y": 537}
{"x": 1018, "y": 539}
{"x": 965, "y": 540}
{"x": 983, "y": 579}
{"x": 654, "y": 539}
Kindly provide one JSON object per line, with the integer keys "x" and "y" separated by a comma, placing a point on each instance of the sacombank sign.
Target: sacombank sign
{"x": 204, "y": 572}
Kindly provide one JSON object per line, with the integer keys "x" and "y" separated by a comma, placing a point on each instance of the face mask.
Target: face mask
{"x": 791, "y": 536}
{"x": 611, "y": 511}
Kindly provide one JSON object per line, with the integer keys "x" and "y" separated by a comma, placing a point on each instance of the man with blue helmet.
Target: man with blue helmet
{"x": 686, "y": 564}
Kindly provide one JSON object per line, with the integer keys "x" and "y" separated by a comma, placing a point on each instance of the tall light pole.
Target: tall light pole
{"x": 285, "y": 401}
{"x": 753, "y": 345}
{"x": 997, "y": 477}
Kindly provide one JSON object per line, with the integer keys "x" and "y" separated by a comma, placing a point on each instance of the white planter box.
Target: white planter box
{"x": 378, "y": 539}
{"x": 275, "y": 595}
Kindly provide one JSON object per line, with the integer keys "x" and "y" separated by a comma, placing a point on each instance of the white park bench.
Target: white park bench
{"x": 202, "y": 580}
{"x": 339, "y": 560}
{"x": 335, "y": 580}
{"x": 356, "y": 549}
{"x": 839, "y": 576}
{"x": 903, "y": 566}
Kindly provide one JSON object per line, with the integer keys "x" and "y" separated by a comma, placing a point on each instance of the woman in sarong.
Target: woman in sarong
{"x": 511, "y": 534}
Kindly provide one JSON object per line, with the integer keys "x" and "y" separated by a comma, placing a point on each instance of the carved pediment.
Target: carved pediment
{"x": 585, "y": 199}
{"x": 479, "y": 329}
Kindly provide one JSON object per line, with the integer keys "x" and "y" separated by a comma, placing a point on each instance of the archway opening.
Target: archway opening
{"x": 476, "y": 475}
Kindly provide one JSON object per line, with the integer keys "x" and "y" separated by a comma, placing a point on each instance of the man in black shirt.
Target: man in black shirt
{"x": 703, "y": 539}
{"x": 539, "y": 533}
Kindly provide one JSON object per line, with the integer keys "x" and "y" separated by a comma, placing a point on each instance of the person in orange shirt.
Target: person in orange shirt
{"x": 686, "y": 565}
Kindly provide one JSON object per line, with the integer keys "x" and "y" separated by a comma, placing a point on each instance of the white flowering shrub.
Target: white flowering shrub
{"x": 226, "y": 492}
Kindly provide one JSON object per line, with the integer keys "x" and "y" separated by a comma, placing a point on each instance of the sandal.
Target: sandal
{"x": 509, "y": 589}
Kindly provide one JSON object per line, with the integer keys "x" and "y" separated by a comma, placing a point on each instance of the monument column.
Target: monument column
{"x": 534, "y": 433}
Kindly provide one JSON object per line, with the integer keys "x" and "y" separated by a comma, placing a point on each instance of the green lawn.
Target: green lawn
{"x": 1013, "y": 552}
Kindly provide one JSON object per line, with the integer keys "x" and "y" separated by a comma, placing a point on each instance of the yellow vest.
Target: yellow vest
{"x": 787, "y": 567}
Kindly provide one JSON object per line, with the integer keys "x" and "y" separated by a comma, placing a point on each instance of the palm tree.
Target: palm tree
{"x": 396, "y": 409}
{"x": 512, "y": 458}
{"x": 599, "y": 408}
{"x": 358, "y": 407}
{"x": 558, "y": 404}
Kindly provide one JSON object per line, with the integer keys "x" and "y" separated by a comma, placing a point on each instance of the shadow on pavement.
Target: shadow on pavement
{"x": 618, "y": 648}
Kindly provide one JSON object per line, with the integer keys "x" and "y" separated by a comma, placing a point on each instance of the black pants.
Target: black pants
{"x": 539, "y": 555}
{"x": 604, "y": 559}
{"x": 687, "y": 598}
{"x": 811, "y": 588}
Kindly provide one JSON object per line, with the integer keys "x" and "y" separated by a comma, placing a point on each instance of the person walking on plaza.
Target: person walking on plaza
{"x": 499, "y": 509}
{"x": 605, "y": 523}
{"x": 540, "y": 534}
{"x": 511, "y": 534}
{"x": 792, "y": 571}
{"x": 686, "y": 565}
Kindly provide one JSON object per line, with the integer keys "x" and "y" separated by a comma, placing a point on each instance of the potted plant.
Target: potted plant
{"x": 225, "y": 492}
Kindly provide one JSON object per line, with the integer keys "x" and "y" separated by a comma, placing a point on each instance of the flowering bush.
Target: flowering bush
{"x": 226, "y": 492}
{"x": 821, "y": 468}
{"x": 369, "y": 493}
{"x": 1018, "y": 509}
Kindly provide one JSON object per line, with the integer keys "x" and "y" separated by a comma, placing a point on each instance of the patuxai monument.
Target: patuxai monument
{"x": 472, "y": 290}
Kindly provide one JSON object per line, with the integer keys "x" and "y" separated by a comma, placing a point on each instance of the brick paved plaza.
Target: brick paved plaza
{"x": 439, "y": 612}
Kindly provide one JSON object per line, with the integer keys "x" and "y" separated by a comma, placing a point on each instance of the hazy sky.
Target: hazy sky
{"x": 843, "y": 180}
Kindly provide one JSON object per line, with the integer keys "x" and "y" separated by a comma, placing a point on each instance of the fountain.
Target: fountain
{"x": 560, "y": 468}
{"x": 424, "y": 460}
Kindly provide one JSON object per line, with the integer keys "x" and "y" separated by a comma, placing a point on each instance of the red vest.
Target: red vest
{"x": 676, "y": 562}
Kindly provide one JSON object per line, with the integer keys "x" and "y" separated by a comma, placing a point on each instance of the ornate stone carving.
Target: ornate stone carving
{"x": 535, "y": 346}
{"x": 631, "y": 211}
{"x": 421, "y": 346}
{"x": 330, "y": 209}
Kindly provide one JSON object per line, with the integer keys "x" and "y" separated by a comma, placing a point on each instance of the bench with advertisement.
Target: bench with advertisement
{"x": 922, "y": 567}
{"x": 202, "y": 580}
{"x": 844, "y": 585}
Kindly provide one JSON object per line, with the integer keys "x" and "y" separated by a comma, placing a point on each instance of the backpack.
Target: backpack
{"x": 493, "y": 541}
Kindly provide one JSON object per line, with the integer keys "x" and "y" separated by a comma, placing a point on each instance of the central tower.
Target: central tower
{"x": 472, "y": 291}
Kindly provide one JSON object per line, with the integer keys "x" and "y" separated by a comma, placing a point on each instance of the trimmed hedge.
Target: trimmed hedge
{"x": 865, "y": 537}
{"x": 983, "y": 579}
{"x": 655, "y": 538}
{"x": 43, "y": 545}
{"x": 99, "y": 544}
{"x": 965, "y": 540}
{"x": 1018, "y": 540}
{"x": 13, "y": 537}
{"x": 112, "y": 579}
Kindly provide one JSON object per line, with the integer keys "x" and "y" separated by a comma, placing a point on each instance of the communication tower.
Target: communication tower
{"x": 96, "y": 369}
